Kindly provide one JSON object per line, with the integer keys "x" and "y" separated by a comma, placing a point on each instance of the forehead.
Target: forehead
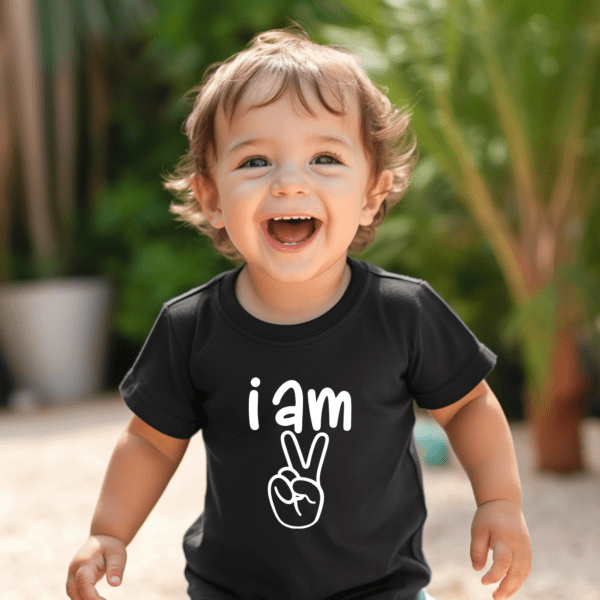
{"x": 325, "y": 107}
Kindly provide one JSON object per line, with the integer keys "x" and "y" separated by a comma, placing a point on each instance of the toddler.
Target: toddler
{"x": 300, "y": 367}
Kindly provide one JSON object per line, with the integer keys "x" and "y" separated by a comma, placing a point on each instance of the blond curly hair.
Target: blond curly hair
{"x": 294, "y": 61}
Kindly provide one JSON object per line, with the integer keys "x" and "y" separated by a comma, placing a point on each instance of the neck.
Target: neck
{"x": 291, "y": 303}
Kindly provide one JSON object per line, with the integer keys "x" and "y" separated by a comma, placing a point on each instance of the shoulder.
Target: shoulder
{"x": 191, "y": 303}
{"x": 193, "y": 312}
{"x": 394, "y": 288}
{"x": 414, "y": 298}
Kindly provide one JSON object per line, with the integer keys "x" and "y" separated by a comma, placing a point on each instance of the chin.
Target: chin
{"x": 292, "y": 273}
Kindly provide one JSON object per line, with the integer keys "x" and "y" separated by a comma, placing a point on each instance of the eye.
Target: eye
{"x": 330, "y": 158}
{"x": 254, "y": 163}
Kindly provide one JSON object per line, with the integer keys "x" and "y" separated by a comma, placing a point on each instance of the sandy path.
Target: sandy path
{"x": 52, "y": 463}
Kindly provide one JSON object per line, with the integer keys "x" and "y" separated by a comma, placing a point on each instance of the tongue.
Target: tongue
{"x": 291, "y": 231}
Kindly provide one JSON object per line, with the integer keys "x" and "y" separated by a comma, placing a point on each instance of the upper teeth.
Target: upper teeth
{"x": 290, "y": 218}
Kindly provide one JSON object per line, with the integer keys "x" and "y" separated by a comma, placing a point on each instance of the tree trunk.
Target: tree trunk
{"x": 557, "y": 426}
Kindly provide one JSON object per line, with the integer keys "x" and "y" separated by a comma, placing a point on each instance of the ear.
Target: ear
{"x": 209, "y": 201}
{"x": 375, "y": 197}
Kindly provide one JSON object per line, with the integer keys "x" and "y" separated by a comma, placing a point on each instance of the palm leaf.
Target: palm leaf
{"x": 512, "y": 122}
{"x": 570, "y": 123}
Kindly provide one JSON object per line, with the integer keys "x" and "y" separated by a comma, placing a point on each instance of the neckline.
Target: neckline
{"x": 299, "y": 331}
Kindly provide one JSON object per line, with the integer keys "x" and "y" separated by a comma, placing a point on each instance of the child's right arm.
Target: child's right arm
{"x": 142, "y": 464}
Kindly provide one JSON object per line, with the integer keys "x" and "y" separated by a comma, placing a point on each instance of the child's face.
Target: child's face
{"x": 277, "y": 162}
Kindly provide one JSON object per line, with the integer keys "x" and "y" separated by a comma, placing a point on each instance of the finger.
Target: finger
{"x": 282, "y": 488}
{"x": 85, "y": 579}
{"x": 291, "y": 449}
{"x": 283, "y": 501}
{"x": 311, "y": 466}
{"x": 72, "y": 592}
{"x": 502, "y": 559}
{"x": 115, "y": 565}
{"x": 71, "y": 586}
{"x": 316, "y": 456}
{"x": 480, "y": 545}
{"x": 518, "y": 571}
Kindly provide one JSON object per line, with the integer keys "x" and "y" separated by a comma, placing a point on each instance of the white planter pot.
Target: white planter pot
{"x": 54, "y": 335}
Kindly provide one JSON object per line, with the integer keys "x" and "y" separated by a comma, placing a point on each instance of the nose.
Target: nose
{"x": 290, "y": 182}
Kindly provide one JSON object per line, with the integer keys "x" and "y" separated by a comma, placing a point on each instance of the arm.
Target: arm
{"x": 142, "y": 464}
{"x": 481, "y": 438}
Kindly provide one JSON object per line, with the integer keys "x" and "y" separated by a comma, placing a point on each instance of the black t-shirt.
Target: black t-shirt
{"x": 314, "y": 488}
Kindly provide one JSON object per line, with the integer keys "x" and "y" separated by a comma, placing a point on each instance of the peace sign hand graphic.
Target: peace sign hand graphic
{"x": 295, "y": 492}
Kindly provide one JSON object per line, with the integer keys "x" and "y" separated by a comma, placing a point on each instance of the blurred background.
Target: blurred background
{"x": 502, "y": 216}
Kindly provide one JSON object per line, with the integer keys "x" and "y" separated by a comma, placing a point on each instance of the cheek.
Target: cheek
{"x": 346, "y": 201}
{"x": 237, "y": 197}
{"x": 239, "y": 214}
{"x": 245, "y": 198}
{"x": 245, "y": 186}
{"x": 348, "y": 187}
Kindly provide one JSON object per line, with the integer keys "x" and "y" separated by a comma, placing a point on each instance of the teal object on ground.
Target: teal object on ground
{"x": 431, "y": 443}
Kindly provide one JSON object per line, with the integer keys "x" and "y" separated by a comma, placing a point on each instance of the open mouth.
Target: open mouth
{"x": 293, "y": 230}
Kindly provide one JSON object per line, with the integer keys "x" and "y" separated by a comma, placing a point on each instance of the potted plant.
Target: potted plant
{"x": 54, "y": 309}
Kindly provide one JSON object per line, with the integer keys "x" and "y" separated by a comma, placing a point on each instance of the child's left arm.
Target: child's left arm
{"x": 481, "y": 438}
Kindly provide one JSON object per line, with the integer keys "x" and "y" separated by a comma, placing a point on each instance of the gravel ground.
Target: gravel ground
{"x": 53, "y": 460}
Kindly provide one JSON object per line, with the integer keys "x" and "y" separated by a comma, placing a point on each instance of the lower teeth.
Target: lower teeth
{"x": 290, "y": 243}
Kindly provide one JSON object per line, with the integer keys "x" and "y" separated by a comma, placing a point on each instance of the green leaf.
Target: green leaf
{"x": 453, "y": 34}
{"x": 362, "y": 43}
{"x": 578, "y": 80}
{"x": 368, "y": 12}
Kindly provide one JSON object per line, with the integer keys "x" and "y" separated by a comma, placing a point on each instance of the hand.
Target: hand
{"x": 99, "y": 555}
{"x": 499, "y": 525}
{"x": 295, "y": 492}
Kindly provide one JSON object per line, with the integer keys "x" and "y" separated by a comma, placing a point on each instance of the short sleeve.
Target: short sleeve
{"x": 158, "y": 387}
{"x": 447, "y": 360}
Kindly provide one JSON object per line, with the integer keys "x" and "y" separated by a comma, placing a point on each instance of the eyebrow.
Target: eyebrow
{"x": 338, "y": 139}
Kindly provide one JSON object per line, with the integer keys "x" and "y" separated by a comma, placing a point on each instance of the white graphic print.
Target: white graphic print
{"x": 295, "y": 492}
{"x": 292, "y": 416}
